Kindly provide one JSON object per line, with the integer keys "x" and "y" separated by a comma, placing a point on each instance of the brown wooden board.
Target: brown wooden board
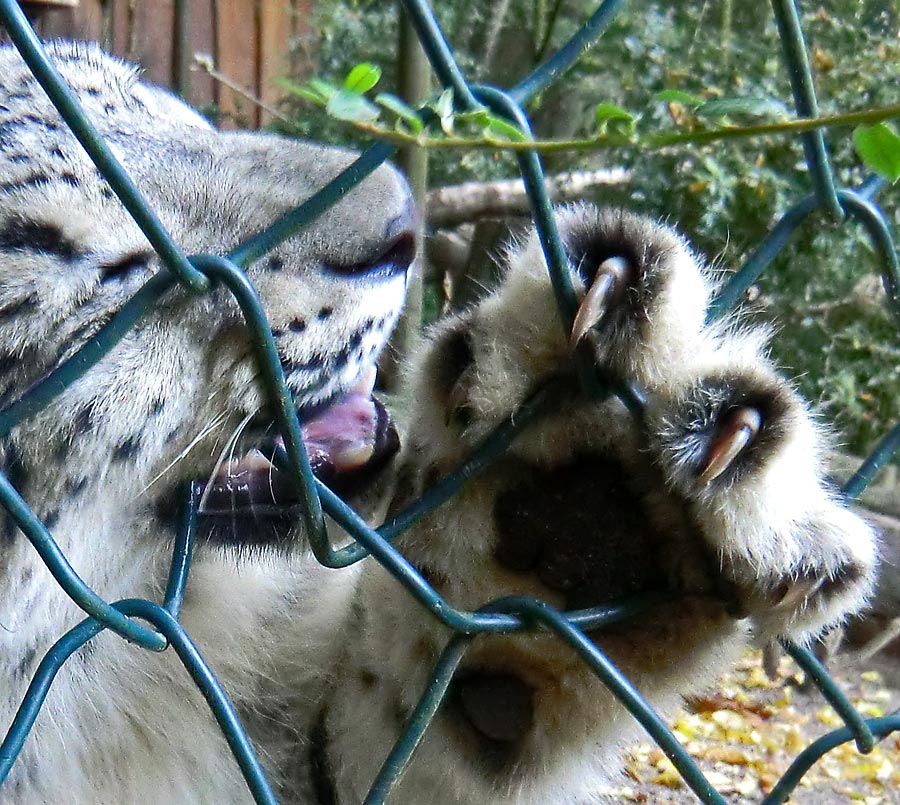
{"x": 203, "y": 40}
{"x": 151, "y": 39}
{"x": 237, "y": 58}
{"x": 248, "y": 42}
{"x": 276, "y": 19}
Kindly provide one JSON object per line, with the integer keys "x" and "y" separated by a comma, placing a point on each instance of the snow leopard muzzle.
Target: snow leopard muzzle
{"x": 248, "y": 500}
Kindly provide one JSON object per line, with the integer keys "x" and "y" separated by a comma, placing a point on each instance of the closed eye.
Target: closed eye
{"x": 127, "y": 265}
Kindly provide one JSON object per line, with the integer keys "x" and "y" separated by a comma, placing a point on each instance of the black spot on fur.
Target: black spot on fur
{"x": 34, "y": 180}
{"x": 37, "y": 236}
{"x": 23, "y": 669}
{"x": 73, "y": 487}
{"x": 275, "y": 263}
{"x": 157, "y": 407}
{"x": 315, "y": 362}
{"x": 358, "y": 614}
{"x": 14, "y": 467}
{"x": 129, "y": 264}
{"x": 297, "y": 326}
{"x": 51, "y": 518}
{"x": 17, "y": 474}
{"x": 127, "y": 449}
{"x": 8, "y": 362}
{"x": 18, "y": 308}
{"x": 24, "y": 122}
{"x": 324, "y": 313}
{"x": 10, "y": 529}
{"x": 341, "y": 358}
{"x": 84, "y": 419}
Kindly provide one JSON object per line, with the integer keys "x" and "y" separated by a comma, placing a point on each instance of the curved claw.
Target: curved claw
{"x": 735, "y": 432}
{"x": 598, "y": 299}
{"x": 793, "y": 593}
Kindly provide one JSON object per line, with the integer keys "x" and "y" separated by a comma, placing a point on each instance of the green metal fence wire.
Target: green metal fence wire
{"x": 155, "y": 627}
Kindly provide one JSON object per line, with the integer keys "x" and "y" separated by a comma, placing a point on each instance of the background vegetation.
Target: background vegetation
{"x": 835, "y": 335}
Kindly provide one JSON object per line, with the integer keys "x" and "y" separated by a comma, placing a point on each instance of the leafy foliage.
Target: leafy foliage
{"x": 690, "y": 66}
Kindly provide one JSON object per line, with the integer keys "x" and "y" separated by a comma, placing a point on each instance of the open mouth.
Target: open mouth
{"x": 250, "y": 501}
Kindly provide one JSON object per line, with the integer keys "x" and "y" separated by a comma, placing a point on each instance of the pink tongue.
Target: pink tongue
{"x": 343, "y": 434}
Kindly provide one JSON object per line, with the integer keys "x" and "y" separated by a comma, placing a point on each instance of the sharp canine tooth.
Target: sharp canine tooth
{"x": 597, "y": 300}
{"x": 738, "y": 430}
{"x": 352, "y": 457}
{"x": 459, "y": 394}
{"x": 254, "y": 460}
{"x": 797, "y": 592}
{"x": 366, "y": 383}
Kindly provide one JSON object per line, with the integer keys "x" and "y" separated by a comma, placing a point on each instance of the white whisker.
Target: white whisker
{"x": 228, "y": 450}
{"x": 204, "y": 432}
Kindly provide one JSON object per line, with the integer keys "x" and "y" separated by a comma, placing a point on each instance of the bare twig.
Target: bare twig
{"x": 203, "y": 61}
{"x": 470, "y": 201}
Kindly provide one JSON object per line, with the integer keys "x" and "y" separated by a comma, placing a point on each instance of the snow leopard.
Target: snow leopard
{"x": 713, "y": 495}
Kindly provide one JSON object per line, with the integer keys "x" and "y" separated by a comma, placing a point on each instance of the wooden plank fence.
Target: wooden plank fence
{"x": 248, "y": 42}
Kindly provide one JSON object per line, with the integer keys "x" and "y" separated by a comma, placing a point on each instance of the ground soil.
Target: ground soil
{"x": 745, "y": 734}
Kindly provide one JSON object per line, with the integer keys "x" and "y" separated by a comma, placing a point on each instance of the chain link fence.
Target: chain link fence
{"x": 154, "y": 626}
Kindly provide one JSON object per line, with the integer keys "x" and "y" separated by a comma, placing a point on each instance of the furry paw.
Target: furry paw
{"x": 715, "y": 496}
{"x": 742, "y": 451}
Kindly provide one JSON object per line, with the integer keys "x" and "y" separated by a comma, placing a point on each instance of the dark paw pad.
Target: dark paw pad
{"x": 589, "y": 545}
{"x": 498, "y": 706}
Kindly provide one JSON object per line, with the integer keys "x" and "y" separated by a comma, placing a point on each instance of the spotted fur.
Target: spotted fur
{"x": 326, "y": 666}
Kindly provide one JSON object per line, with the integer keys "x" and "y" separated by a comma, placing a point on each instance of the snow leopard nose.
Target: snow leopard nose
{"x": 394, "y": 255}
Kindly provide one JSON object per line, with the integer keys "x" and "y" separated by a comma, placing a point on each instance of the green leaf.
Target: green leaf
{"x": 362, "y": 78}
{"x": 679, "y": 96}
{"x": 400, "y": 108}
{"x": 879, "y": 147}
{"x": 753, "y": 107}
{"x": 443, "y": 108}
{"x": 477, "y": 117}
{"x": 615, "y": 119}
{"x": 609, "y": 111}
{"x": 347, "y": 105}
{"x": 306, "y": 91}
{"x": 325, "y": 89}
{"x": 503, "y": 129}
